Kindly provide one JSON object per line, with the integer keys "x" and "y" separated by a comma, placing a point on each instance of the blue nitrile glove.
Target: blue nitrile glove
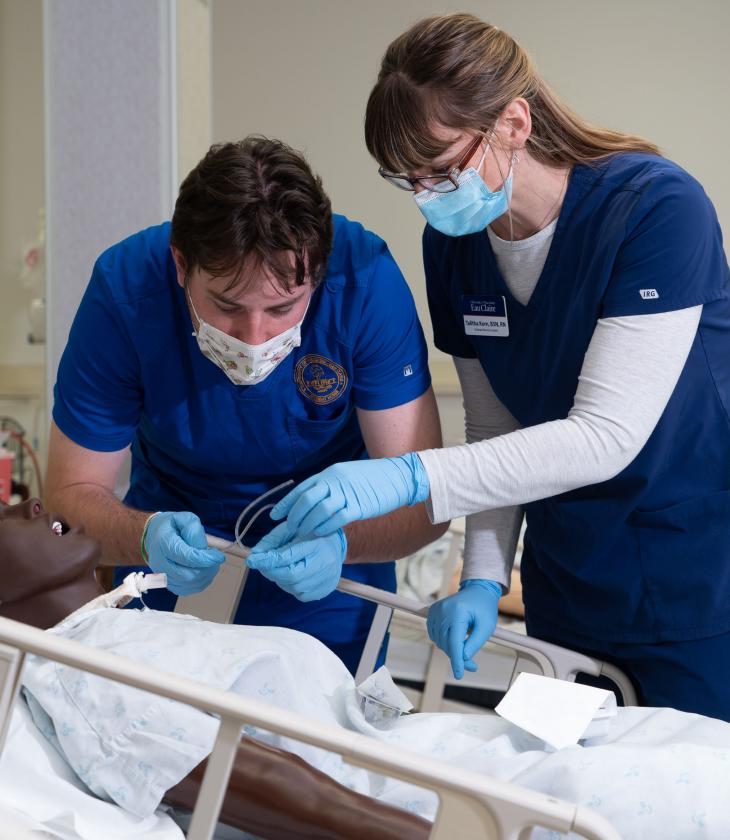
{"x": 308, "y": 569}
{"x": 473, "y": 611}
{"x": 352, "y": 490}
{"x": 175, "y": 543}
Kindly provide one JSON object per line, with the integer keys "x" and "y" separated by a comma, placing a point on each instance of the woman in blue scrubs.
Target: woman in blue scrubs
{"x": 256, "y": 338}
{"x": 578, "y": 280}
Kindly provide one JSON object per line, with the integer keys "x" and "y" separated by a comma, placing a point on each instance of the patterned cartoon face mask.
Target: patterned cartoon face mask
{"x": 242, "y": 363}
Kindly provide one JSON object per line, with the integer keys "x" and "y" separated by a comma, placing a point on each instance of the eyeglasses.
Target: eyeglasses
{"x": 440, "y": 182}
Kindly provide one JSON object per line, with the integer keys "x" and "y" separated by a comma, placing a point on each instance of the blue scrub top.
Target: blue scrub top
{"x": 644, "y": 556}
{"x": 132, "y": 373}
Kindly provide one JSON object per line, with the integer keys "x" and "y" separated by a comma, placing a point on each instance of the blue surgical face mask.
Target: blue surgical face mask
{"x": 468, "y": 209}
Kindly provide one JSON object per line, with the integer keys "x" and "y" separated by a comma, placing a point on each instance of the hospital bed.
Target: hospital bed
{"x": 471, "y": 805}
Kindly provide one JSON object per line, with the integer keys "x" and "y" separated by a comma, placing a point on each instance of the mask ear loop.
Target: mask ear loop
{"x": 514, "y": 160}
{"x": 484, "y": 155}
{"x": 239, "y": 533}
{"x": 190, "y": 301}
{"x": 211, "y": 349}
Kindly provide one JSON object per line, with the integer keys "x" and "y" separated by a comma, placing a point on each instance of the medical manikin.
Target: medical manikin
{"x": 49, "y": 572}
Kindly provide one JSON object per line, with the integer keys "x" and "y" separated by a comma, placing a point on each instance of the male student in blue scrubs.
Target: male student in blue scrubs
{"x": 254, "y": 339}
{"x": 578, "y": 279}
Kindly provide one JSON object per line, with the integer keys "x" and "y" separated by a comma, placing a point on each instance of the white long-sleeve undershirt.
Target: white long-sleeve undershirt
{"x": 491, "y": 535}
{"x": 629, "y": 372}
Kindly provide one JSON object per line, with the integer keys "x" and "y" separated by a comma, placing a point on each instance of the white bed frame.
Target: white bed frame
{"x": 219, "y": 602}
{"x": 471, "y": 805}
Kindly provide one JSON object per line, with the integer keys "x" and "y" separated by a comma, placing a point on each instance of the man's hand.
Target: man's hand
{"x": 175, "y": 543}
{"x": 308, "y": 568}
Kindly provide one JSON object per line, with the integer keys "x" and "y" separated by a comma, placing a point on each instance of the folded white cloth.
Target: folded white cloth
{"x": 558, "y": 712}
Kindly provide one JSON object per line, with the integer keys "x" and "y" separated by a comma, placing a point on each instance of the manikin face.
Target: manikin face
{"x": 35, "y": 559}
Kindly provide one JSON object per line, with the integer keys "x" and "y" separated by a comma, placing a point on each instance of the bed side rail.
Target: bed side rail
{"x": 551, "y": 660}
{"x": 11, "y": 667}
{"x": 219, "y": 602}
{"x": 471, "y": 805}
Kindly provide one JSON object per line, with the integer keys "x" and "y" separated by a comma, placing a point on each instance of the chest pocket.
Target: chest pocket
{"x": 319, "y": 442}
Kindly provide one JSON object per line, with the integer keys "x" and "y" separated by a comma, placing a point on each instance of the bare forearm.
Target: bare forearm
{"x": 117, "y": 527}
{"x": 390, "y": 537}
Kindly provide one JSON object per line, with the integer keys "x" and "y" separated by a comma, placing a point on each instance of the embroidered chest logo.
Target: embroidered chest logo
{"x": 319, "y": 379}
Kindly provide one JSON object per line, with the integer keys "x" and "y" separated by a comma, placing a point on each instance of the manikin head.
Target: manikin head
{"x": 46, "y": 575}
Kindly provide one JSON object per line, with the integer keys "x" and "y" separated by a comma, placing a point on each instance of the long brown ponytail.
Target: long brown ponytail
{"x": 460, "y": 72}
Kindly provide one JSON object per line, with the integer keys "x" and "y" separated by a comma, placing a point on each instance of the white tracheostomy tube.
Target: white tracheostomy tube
{"x": 134, "y": 585}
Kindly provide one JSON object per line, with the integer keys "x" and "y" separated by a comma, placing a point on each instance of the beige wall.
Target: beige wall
{"x": 22, "y": 379}
{"x": 302, "y": 70}
{"x": 21, "y": 167}
{"x": 193, "y": 83}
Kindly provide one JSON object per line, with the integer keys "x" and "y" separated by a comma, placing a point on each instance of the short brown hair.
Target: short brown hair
{"x": 254, "y": 198}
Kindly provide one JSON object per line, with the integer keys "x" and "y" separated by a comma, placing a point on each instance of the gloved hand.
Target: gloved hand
{"x": 308, "y": 569}
{"x": 175, "y": 543}
{"x": 352, "y": 490}
{"x": 472, "y": 610}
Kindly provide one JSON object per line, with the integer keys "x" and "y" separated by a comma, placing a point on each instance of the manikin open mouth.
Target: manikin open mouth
{"x": 59, "y": 527}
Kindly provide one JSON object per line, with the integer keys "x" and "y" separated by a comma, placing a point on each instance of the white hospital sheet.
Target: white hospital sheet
{"x": 658, "y": 773}
{"x": 39, "y": 791}
{"x": 129, "y": 746}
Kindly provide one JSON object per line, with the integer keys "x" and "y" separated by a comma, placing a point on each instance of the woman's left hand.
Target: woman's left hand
{"x": 461, "y": 624}
{"x": 351, "y": 491}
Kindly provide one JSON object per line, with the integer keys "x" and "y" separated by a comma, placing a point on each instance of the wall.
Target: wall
{"x": 108, "y": 135}
{"x": 21, "y": 197}
{"x": 21, "y": 167}
{"x": 127, "y": 105}
{"x": 302, "y": 71}
{"x": 192, "y": 70}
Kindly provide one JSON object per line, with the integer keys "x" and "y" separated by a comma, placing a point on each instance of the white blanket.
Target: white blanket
{"x": 40, "y": 792}
{"x": 659, "y": 773}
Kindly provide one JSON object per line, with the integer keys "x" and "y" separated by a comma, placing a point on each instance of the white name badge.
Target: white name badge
{"x": 485, "y": 316}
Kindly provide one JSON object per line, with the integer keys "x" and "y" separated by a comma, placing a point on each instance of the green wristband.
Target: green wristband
{"x": 142, "y": 549}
